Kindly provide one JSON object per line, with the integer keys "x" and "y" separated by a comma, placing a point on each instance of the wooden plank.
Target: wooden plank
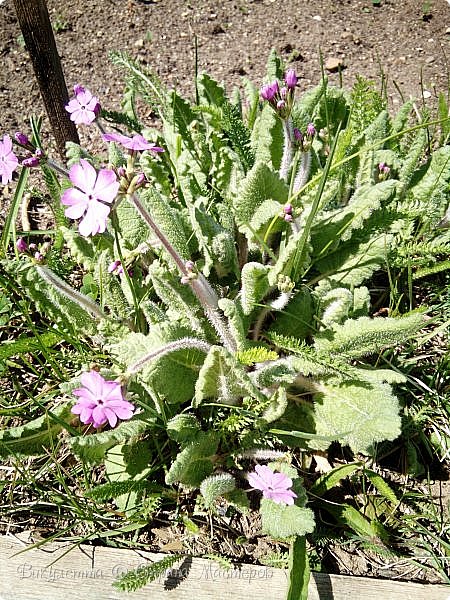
{"x": 87, "y": 573}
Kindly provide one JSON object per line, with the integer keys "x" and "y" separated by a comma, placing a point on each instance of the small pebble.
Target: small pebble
{"x": 426, "y": 94}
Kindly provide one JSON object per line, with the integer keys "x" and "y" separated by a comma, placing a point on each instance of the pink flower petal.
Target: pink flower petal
{"x": 110, "y": 415}
{"x": 83, "y": 175}
{"x": 106, "y": 186}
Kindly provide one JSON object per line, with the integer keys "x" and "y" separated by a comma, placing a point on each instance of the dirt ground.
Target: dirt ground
{"x": 408, "y": 40}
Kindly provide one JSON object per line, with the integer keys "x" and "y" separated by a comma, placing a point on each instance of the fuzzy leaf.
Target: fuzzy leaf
{"x": 259, "y": 185}
{"x": 172, "y": 376}
{"x": 267, "y": 138}
{"x": 358, "y": 414}
{"x": 33, "y": 437}
{"x": 276, "y": 407}
{"x": 215, "y": 486}
{"x": 255, "y": 285}
{"x": 282, "y": 522}
{"x": 91, "y": 448}
{"x": 194, "y": 462}
{"x": 221, "y": 377}
{"x": 167, "y": 220}
{"x": 183, "y": 428}
{"x": 363, "y": 336}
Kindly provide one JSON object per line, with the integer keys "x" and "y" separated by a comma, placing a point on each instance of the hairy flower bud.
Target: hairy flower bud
{"x": 21, "y": 245}
{"x": 311, "y": 130}
{"x": 32, "y": 161}
{"x": 291, "y": 79}
{"x": 22, "y": 139}
{"x": 269, "y": 91}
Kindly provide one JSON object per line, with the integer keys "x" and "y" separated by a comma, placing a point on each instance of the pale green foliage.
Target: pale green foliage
{"x": 215, "y": 486}
{"x": 356, "y": 413}
{"x": 32, "y": 437}
{"x": 221, "y": 377}
{"x": 195, "y": 461}
{"x": 255, "y": 285}
{"x": 359, "y": 337}
{"x": 92, "y": 448}
{"x": 183, "y": 428}
{"x": 282, "y": 522}
{"x": 260, "y": 184}
{"x": 269, "y": 325}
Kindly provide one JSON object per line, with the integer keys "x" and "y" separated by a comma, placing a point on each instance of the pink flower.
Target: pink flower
{"x": 116, "y": 267}
{"x": 274, "y": 486}
{"x": 269, "y": 91}
{"x": 88, "y": 197}
{"x": 8, "y": 160}
{"x": 291, "y": 79}
{"x": 137, "y": 142}
{"x": 84, "y": 108}
{"x": 21, "y": 245}
{"x": 101, "y": 401}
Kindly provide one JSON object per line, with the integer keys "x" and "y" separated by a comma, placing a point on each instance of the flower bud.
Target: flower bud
{"x": 78, "y": 89}
{"x": 311, "y": 130}
{"x": 22, "y": 139}
{"x": 21, "y": 245}
{"x": 287, "y": 209}
{"x": 33, "y": 161}
{"x": 269, "y": 91}
{"x": 38, "y": 256}
{"x": 113, "y": 266}
{"x": 291, "y": 79}
{"x": 189, "y": 265}
{"x": 298, "y": 135}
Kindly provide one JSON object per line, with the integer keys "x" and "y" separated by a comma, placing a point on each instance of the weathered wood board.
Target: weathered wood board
{"x": 87, "y": 573}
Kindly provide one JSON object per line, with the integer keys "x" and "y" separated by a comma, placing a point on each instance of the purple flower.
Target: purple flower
{"x": 84, "y": 108}
{"x": 21, "y": 245}
{"x": 8, "y": 160}
{"x": 291, "y": 79}
{"x": 32, "y": 161}
{"x": 101, "y": 401}
{"x": 311, "y": 130}
{"x": 298, "y": 136}
{"x": 287, "y": 209}
{"x": 88, "y": 197}
{"x": 116, "y": 267}
{"x": 274, "y": 486}
{"x": 269, "y": 91}
{"x": 136, "y": 143}
{"x": 22, "y": 139}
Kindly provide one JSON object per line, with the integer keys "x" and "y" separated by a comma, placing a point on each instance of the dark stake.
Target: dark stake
{"x": 37, "y": 32}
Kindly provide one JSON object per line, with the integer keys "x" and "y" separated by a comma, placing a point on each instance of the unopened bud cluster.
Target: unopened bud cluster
{"x": 281, "y": 96}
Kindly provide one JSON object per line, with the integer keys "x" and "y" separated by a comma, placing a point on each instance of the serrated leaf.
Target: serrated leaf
{"x": 282, "y": 522}
{"x": 194, "y": 462}
{"x": 358, "y": 414}
{"x": 91, "y": 448}
{"x": 255, "y": 285}
{"x": 363, "y": 336}
{"x": 33, "y": 437}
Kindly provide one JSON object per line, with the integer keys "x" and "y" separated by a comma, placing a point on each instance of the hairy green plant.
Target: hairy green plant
{"x": 242, "y": 315}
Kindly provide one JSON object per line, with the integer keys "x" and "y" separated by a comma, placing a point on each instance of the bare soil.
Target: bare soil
{"x": 408, "y": 41}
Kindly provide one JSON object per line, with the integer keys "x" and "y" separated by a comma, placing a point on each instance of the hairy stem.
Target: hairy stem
{"x": 61, "y": 286}
{"x": 303, "y": 171}
{"x": 180, "y": 344}
{"x": 288, "y": 148}
{"x": 200, "y": 286}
